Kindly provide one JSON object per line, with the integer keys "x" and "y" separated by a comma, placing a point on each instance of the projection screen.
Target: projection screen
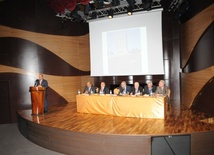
{"x": 127, "y": 45}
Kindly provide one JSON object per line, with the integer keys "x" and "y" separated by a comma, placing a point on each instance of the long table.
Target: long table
{"x": 126, "y": 106}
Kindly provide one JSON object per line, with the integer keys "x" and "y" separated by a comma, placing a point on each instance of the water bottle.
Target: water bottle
{"x": 138, "y": 93}
{"x": 110, "y": 92}
{"x": 78, "y": 92}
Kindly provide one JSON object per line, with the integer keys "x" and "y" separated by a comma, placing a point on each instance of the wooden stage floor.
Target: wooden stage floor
{"x": 65, "y": 130}
{"x": 178, "y": 121}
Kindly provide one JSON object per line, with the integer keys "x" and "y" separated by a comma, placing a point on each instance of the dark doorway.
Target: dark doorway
{"x": 4, "y": 103}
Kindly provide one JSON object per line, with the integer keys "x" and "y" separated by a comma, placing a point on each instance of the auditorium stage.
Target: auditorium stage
{"x": 64, "y": 130}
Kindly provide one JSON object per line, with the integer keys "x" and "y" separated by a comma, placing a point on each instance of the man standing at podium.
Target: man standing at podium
{"x": 40, "y": 82}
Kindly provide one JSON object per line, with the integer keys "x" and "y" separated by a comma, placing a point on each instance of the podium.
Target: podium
{"x": 37, "y": 100}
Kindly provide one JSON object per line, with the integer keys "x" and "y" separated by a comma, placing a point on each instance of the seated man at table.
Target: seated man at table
{"x": 89, "y": 88}
{"x": 149, "y": 88}
{"x": 136, "y": 89}
{"x": 124, "y": 89}
{"x": 103, "y": 89}
{"x": 162, "y": 89}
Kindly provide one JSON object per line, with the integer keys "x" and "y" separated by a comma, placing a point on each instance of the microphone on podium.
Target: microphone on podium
{"x": 36, "y": 83}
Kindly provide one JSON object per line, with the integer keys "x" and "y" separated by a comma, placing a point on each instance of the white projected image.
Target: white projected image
{"x": 127, "y": 46}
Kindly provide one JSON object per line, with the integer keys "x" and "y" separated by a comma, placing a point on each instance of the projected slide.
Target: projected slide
{"x": 128, "y": 46}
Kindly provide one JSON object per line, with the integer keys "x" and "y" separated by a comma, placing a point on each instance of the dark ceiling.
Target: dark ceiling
{"x": 84, "y": 10}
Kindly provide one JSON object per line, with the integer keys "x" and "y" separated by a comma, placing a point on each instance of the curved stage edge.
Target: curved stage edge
{"x": 64, "y": 130}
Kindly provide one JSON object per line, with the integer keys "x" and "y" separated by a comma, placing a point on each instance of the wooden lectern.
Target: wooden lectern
{"x": 37, "y": 100}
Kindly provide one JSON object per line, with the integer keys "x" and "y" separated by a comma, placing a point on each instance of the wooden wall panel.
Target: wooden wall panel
{"x": 5, "y": 31}
{"x": 84, "y": 53}
{"x": 67, "y": 87}
{"x": 72, "y": 49}
{"x": 71, "y": 142}
{"x": 202, "y": 143}
{"x": 192, "y": 83}
{"x": 192, "y": 30}
{"x": 32, "y": 41}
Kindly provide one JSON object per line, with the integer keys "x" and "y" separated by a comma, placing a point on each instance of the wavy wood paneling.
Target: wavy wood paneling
{"x": 192, "y": 83}
{"x": 72, "y": 49}
{"x": 192, "y": 30}
{"x": 66, "y": 86}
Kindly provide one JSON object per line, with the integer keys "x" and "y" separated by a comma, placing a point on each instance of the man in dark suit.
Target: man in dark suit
{"x": 124, "y": 89}
{"x": 103, "y": 89}
{"x": 149, "y": 88}
{"x": 136, "y": 89}
{"x": 41, "y": 82}
{"x": 89, "y": 88}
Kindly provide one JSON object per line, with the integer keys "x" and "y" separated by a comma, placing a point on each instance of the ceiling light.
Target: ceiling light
{"x": 110, "y": 13}
{"x": 129, "y": 10}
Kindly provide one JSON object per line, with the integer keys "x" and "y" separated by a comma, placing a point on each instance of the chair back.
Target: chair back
{"x": 116, "y": 90}
{"x": 169, "y": 93}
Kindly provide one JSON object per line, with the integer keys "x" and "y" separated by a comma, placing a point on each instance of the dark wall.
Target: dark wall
{"x": 37, "y": 16}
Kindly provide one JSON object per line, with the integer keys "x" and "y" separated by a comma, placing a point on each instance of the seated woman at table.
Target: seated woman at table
{"x": 136, "y": 89}
{"x": 103, "y": 89}
{"x": 89, "y": 88}
{"x": 149, "y": 88}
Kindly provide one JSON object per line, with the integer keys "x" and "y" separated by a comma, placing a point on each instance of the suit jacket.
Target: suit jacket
{"x": 133, "y": 91}
{"x": 147, "y": 91}
{"x": 44, "y": 84}
{"x": 86, "y": 90}
{"x": 163, "y": 91}
{"x": 105, "y": 90}
{"x": 128, "y": 89}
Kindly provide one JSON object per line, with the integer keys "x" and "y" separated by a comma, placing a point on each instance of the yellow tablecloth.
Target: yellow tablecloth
{"x": 126, "y": 106}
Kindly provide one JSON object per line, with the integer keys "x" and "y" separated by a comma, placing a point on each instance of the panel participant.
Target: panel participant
{"x": 124, "y": 88}
{"x": 41, "y": 82}
{"x": 149, "y": 88}
{"x": 163, "y": 90}
{"x": 89, "y": 88}
{"x": 103, "y": 89}
{"x": 136, "y": 89}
